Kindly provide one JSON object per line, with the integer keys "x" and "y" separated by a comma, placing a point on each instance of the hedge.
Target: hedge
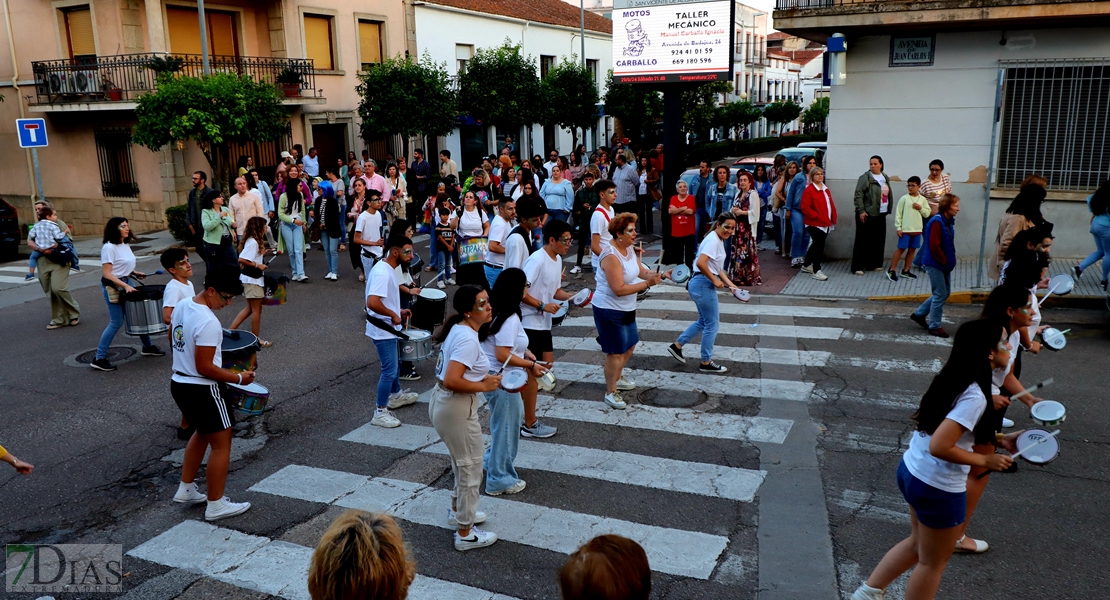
{"x": 716, "y": 151}
{"x": 175, "y": 221}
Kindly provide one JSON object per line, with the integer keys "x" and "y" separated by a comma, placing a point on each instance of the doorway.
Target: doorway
{"x": 473, "y": 140}
{"x": 330, "y": 141}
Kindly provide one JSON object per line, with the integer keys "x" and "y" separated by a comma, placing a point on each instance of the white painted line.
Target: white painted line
{"x": 774, "y": 389}
{"x": 808, "y": 358}
{"x": 672, "y": 551}
{"x": 705, "y": 479}
{"x": 917, "y": 366}
{"x": 727, "y": 305}
{"x": 920, "y": 340}
{"x": 882, "y": 507}
{"x": 263, "y": 565}
{"x": 872, "y": 440}
{"x": 19, "y": 280}
{"x": 22, "y": 269}
{"x": 760, "y": 330}
{"x": 884, "y": 399}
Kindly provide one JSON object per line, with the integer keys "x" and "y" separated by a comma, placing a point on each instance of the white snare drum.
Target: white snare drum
{"x": 1048, "y": 413}
{"x": 582, "y": 299}
{"x": 742, "y": 295}
{"x": 1044, "y": 453}
{"x": 513, "y": 379}
{"x": 417, "y": 347}
{"x": 1054, "y": 338}
{"x": 560, "y": 314}
{"x": 546, "y": 382}
{"x": 680, "y": 274}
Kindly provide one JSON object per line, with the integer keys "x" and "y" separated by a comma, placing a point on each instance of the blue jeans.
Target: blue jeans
{"x": 444, "y": 264}
{"x": 799, "y": 237}
{"x": 933, "y": 307}
{"x": 433, "y": 251}
{"x": 491, "y": 274}
{"x": 704, "y": 295}
{"x": 33, "y": 262}
{"x": 390, "y": 381}
{"x": 701, "y": 218}
{"x": 1102, "y": 249}
{"x": 294, "y": 247}
{"x": 506, "y": 415}
{"x": 558, "y": 215}
{"x": 331, "y": 251}
{"x": 115, "y": 322}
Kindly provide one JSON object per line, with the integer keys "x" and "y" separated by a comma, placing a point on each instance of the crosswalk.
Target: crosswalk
{"x": 689, "y": 454}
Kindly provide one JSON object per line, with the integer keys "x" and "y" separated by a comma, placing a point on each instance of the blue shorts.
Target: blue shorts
{"x": 936, "y": 509}
{"x": 616, "y": 330}
{"x": 908, "y": 241}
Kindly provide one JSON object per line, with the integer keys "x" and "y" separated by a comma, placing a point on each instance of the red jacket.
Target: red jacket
{"x": 815, "y": 211}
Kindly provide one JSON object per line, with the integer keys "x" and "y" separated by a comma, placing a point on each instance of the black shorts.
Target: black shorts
{"x": 204, "y": 406}
{"x": 539, "y": 341}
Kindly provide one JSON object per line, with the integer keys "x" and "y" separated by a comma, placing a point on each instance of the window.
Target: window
{"x": 319, "y": 41}
{"x": 113, "y": 152}
{"x": 369, "y": 43}
{"x": 463, "y": 54}
{"x": 546, "y": 64}
{"x": 591, "y": 66}
{"x": 1055, "y": 123}
{"x": 184, "y": 29}
{"x": 80, "y": 41}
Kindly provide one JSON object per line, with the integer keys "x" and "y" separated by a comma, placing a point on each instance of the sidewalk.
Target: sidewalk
{"x": 153, "y": 242}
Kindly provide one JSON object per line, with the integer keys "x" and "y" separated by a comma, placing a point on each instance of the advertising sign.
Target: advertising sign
{"x": 667, "y": 40}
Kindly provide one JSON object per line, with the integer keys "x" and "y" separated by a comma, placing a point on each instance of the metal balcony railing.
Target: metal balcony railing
{"x": 124, "y": 77}
{"x": 804, "y": 4}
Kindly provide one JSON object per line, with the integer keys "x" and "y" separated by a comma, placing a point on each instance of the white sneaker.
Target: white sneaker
{"x": 477, "y": 539}
{"x": 807, "y": 269}
{"x": 440, "y": 284}
{"x": 224, "y": 508}
{"x": 384, "y": 418}
{"x": 624, "y": 384}
{"x": 615, "y": 401}
{"x": 820, "y": 276}
{"x": 575, "y": 270}
{"x": 866, "y": 592}
{"x": 1007, "y": 423}
{"x": 479, "y": 518}
{"x": 402, "y": 398}
{"x": 189, "y": 494}
{"x": 333, "y": 276}
{"x": 515, "y": 488}
{"x": 451, "y": 281}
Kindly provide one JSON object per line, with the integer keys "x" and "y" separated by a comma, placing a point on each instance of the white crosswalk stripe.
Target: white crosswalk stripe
{"x": 747, "y": 329}
{"x": 734, "y": 307}
{"x": 711, "y": 384}
{"x": 7, "y": 279}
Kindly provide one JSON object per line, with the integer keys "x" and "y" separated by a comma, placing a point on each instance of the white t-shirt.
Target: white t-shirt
{"x": 543, "y": 275}
{"x": 942, "y": 474}
{"x": 193, "y": 325}
{"x": 599, "y": 224}
{"x": 998, "y": 376}
{"x": 643, "y": 184}
{"x": 121, "y": 257}
{"x": 884, "y": 204}
{"x": 603, "y": 295}
{"x": 175, "y": 292}
{"x": 383, "y": 283}
{"x": 1036, "y": 313}
{"x": 470, "y": 222}
{"x": 251, "y": 253}
{"x": 512, "y": 335}
{"x": 713, "y": 247}
{"x": 369, "y": 228}
{"x": 340, "y": 187}
{"x": 498, "y": 230}
{"x": 463, "y": 347}
{"x": 516, "y": 251}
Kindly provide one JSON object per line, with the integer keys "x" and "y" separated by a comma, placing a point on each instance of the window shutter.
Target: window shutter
{"x": 369, "y": 42}
{"x": 80, "y": 30}
{"x": 317, "y": 41}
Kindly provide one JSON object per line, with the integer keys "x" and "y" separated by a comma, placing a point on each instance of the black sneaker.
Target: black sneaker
{"x": 102, "y": 364}
{"x": 909, "y": 275}
{"x": 152, "y": 351}
{"x": 891, "y": 276}
{"x": 676, "y": 353}
{"x": 410, "y": 376}
{"x": 712, "y": 367}
{"x": 919, "y": 320}
{"x": 1078, "y": 272}
{"x": 939, "y": 332}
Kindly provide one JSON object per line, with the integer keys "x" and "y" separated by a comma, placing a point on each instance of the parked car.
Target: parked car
{"x": 746, "y": 164}
{"x": 821, "y": 145}
{"x": 796, "y": 154}
{"x": 9, "y": 231}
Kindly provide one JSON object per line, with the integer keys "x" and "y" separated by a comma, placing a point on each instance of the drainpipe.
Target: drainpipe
{"x": 19, "y": 99}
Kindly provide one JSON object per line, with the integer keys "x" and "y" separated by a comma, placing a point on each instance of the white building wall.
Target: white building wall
{"x": 811, "y": 81}
{"x": 912, "y": 115}
{"x": 440, "y": 29}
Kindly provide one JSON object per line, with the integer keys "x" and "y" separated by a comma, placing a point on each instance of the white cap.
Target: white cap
{"x": 285, "y": 154}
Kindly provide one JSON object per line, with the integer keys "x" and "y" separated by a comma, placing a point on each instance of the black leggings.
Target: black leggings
{"x": 584, "y": 239}
{"x": 644, "y": 213}
{"x": 816, "y": 251}
{"x": 355, "y": 251}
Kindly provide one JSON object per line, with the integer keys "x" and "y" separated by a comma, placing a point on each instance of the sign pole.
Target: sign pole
{"x": 38, "y": 173}
{"x": 674, "y": 148}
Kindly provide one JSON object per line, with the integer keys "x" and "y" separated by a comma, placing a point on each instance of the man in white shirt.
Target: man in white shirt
{"x": 384, "y": 315}
{"x": 198, "y": 386}
{"x": 518, "y": 244}
{"x": 311, "y": 163}
{"x": 244, "y": 204}
{"x": 552, "y": 160}
{"x": 544, "y": 271}
{"x": 599, "y": 221}
{"x": 446, "y": 165}
{"x": 368, "y": 232}
{"x": 499, "y": 229}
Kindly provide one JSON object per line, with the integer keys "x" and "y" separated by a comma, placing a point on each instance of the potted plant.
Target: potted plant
{"x": 289, "y": 82}
{"x": 165, "y": 64}
{"x": 112, "y": 91}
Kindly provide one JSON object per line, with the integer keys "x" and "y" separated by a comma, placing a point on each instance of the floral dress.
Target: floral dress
{"x": 744, "y": 269}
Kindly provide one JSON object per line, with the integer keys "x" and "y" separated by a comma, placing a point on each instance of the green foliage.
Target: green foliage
{"x": 211, "y": 111}
{"x": 817, "y": 112}
{"x": 782, "y": 112}
{"x": 289, "y": 76}
{"x": 636, "y": 105}
{"x": 735, "y": 116}
{"x": 500, "y": 87}
{"x": 165, "y": 64}
{"x": 175, "y": 220}
{"x": 569, "y": 97}
{"x": 699, "y": 106}
{"x": 716, "y": 151}
{"x": 406, "y": 97}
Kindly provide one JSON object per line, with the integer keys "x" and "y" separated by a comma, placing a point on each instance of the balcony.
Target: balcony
{"x": 817, "y": 19}
{"x": 115, "y": 82}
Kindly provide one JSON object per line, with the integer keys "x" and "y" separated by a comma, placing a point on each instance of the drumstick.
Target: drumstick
{"x": 506, "y": 362}
{"x": 1031, "y": 390}
{"x": 1024, "y": 450}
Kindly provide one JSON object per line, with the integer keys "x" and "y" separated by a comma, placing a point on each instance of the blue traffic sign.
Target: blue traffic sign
{"x": 32, "y": 133}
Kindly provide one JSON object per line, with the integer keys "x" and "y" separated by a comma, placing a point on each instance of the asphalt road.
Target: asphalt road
{"x": 811, "y": 382}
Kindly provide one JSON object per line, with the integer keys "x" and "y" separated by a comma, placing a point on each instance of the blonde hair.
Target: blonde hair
{"x": 361, "y": 555}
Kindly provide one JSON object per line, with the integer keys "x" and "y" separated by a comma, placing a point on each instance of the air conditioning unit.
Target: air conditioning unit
{"x": 57, "y": 82}
{"x": 84, "y": 82}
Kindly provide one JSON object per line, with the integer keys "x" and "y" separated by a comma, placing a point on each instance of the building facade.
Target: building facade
{"x": 998, "y": 91}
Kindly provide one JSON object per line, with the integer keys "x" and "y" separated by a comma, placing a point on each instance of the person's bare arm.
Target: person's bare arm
{"x": 453, "y": 379}
{"x": 206, "y": 369}
{"x": 943, "y": 446}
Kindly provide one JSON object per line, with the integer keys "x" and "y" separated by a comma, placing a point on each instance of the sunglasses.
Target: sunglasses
{"x": 227, "y": 298}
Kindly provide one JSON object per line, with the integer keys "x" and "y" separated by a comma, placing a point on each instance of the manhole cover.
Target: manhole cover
{"x": 116, "y": 354}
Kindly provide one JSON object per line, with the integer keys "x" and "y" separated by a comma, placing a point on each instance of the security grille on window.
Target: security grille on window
{"x": 1055, "y": 117}
{"x": 113, "y": 152}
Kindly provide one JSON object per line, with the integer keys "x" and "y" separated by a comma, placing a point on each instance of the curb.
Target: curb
{"x": 969, "y": 297}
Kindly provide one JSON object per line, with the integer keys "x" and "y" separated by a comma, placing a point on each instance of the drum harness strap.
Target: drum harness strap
{"x": 378, "y": 323}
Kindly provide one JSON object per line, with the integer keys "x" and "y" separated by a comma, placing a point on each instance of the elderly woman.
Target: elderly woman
{"x": 744, "y": 267}
{"x": 873, "y": 203}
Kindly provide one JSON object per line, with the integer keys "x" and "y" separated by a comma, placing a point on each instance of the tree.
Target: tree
{"x": 735, "y": 116}
{"x": 699, "y": 106}
{"x": 406, "y": 97}
{"x": 815, "y": 115}
{"x": 782, "y": 112}
{"x": 569, "y": 98}
{"x": 500, "y": 87}
{"x": 211, "y": 111}
{"x": 637, "y": 106}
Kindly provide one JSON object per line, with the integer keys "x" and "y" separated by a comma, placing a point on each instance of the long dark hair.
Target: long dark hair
{"x": 1020, "y": 243}
{"x": 112, "y": 233}
{"x": 1100, "y": 200}
{"x": 1028, "y": 203}
{"x": 967, "y": 364}
{"x": 293, "y": 195}
{"x": 1006, "y": 296}
{"x": 505, "y": 299}
{"x": 463, "y": 302}
{"x": 1026, "y": 268}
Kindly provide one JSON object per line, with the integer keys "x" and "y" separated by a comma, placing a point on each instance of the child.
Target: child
{"x": 64, "y": 241}
{"x": 445, "y": 237}
{"x": 176, "y": 262}
{"x": 912, "y": 209}
{"x": 254, "y": 285}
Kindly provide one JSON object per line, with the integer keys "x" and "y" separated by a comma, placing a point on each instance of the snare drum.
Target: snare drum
{"x": 1044, "y": 453}
{"x": 546, "y": 382}
{"x": 143, "y": 310}
{"x": 582, "y": 299}
{"x": 276, "y": 289}
{"x": 417, "y": 347}
{"x": 513, "y": 379}
{"x": 239, "y": 351}
{"x": 742, "y": 295}
{"x": 250, "y": 399}
{"x": 560, "y": 314}
{"x": 430, "y": 309}
{"x": 680, "y": 274}
{"x": 1048, "y": 413}
{"x": 1054, "y": 339}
